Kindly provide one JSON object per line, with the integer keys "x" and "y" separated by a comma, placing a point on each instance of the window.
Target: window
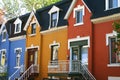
{"x": 78, "y": 15}
{"x": 112, "y": 4}
{"x": 33, "y": 28}
{"x": 4, "y": 34}
{"x": 18, "y": 54}
{"x": 53, "y": 19}
{"x": 54, "y": 52}
{"x": 17, "y": 28}
{"x": 3, "y": 57}
{"x": 54, "y": 16}
{"x": 114, "y": 57}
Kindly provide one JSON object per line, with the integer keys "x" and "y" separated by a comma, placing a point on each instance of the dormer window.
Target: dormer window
{"x": 33, "y": 28}
{"x": 54, "y": 17}
{"x": 4, "y": 34}
{"x": 17, "y": 23}
{"x": 110, "y": 4}
{"x": 78, "y": 15}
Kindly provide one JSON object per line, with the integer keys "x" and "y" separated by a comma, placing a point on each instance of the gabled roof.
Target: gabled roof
{"x": 2, "y": 26}
{"x": 73, "y": 5}
{"x": 11, "y": 26}
{"x": 43, "y": 16}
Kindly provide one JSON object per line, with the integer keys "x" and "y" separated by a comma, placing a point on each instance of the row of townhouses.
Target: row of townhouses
{"x": 68, "y": 40}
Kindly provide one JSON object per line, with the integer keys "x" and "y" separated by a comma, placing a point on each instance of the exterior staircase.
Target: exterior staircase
{"x": 22, "y": 74}
{"x": 17, "y": 73}
{"x": 33, "y": 70}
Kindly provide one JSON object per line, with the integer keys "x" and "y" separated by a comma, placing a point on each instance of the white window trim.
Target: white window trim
{"x": 107, "y": 5}
{"x": 79, "y": 39}
{"x": 114, "y": 33}
{"x": 110, "y": 35}
{"x": 113, "y": 78}
{"x": 79, "y": 7}
{"x": 17, "y": 21}
{"x": 15, "y": 57}
{"x": 53, "y": 10}
{"x": 3, "y": 40}
{"x": 54, "y": 43}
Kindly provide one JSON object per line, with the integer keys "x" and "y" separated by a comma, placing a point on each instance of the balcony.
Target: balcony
{"x": 66, "y": 68}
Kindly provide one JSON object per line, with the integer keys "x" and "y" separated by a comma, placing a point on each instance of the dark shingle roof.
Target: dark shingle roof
{"x": 98, "y": 8}
{"x": 43, "y": 16}
{"x": 11, "y": 26}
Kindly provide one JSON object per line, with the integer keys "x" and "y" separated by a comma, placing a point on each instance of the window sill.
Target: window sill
{"x": 53, "y": 66}
{"x": 17, "y": 67}
{"x": 3, "y": 40}
{"x": 111, "y": 8}
{"x": 32, "y": 34}
{"x": 78, "y": 24}
{"x": 114, "y": 65}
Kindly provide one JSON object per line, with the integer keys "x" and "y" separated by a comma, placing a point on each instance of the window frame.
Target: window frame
{"x": 53, "y": 20}
{"x": 4, "y": 37}
{"x": 35, "y": 25}
{"x": 54, "y": 53}
{"x": 3, "y": 50}
{"x": 108, "y": 5}
{"x": 18, "y": 57}
{"x": 17, "y": 28}
{"x": 79, "y": 8}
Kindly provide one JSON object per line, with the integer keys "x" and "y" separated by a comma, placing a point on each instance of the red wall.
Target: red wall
{"x": 101, "y": 52}
{"x": 81, "y": 30}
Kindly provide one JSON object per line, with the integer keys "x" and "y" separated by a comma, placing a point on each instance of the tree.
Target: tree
{"x": 15, "y": 8}
{"x": 38, "y": 3}
{"x": 116, "y": 27}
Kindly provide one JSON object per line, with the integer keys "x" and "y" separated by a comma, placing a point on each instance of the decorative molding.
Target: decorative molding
{"x": 70, "y": 9}
{"x": 113, "y": 65}
{"x": 17, "y": 49}
{"x": 31, "y": 47}
{"x": 53, "y": 9}
{"x": 78, "y": 38}
{"x": 18, "y": 38}
{"x": 110, "y": 35}
{"x": 54, "y": 43}
{"x": 29, "y": 19}
{"x": 53, "y": 29}
{"x": 106, "y": 18}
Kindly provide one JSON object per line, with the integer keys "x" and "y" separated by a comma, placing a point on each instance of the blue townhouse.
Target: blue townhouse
{"x": 4, "y": 50}
{"x": 17, "y": 38}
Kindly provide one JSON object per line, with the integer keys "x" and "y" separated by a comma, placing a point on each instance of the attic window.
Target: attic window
{"x": 110, "y": 4}
{"x": 33, "y": 28}
{"x": 4, "y": 34}
{"x": 17, "y": 26}
{"x": 78, "y": 15}
{"x": 54, "y": 17}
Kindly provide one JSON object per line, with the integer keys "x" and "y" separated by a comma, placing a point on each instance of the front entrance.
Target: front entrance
{"x": 32, "y": 56}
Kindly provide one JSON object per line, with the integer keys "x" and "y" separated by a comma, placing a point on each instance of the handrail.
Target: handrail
{"x": 29, "y": 71}
{"x": 87, "y": 75}
{"x": 25, "y": 72}
{"x": 17, "y": 71}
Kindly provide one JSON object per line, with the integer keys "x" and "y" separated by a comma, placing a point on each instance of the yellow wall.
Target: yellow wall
{"x": 59, "y": 36}
{"x": 33, "y": 40}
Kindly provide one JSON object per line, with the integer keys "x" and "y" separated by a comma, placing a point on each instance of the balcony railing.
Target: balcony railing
{"x": 58, "y": 67}
{"x": 70, "y": 67}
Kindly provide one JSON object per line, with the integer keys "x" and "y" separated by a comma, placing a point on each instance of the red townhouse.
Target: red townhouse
{"x": 106, "y": 65}
{"x": 80, "y": 38}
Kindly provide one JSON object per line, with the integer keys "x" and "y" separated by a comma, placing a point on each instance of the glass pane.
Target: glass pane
{"x": 55, "y": 52}
{"x": 79, "y": 16}
{"x": 112, "y": 47}
{"x": 113, "y": 3}
{"x": 75, "y": 53}
{"x": 33, "y": 28}
{"x": 84, "y": 58}
{"x": 17, "y": 27}
{"x": 53, "y": 19}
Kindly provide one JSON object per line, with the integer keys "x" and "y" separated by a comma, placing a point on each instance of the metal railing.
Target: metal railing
{"x": 17, "y": 73}
{"x": 66, "y": 66}
{"x": 86, "y": 73}
{"x": 32, "y": 69}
